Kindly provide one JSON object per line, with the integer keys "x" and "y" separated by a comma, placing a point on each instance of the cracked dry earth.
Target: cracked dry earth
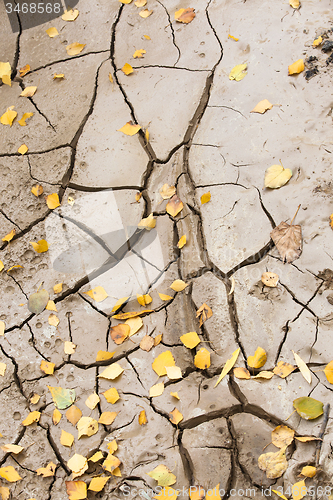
{"x": 202, "y": 138}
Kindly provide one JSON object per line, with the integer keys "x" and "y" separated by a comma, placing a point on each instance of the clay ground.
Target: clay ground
{"x": 202, "y": 138}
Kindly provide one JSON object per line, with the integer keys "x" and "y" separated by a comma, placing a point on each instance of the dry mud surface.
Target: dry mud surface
{"x": 202, "y": 138}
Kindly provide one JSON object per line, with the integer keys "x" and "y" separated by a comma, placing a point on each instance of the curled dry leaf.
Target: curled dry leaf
{"x": 288, "y": 240}
{"x": 270, "y": 279}
{"x": 296, "y": 67}
{"x": 202, "y": 359}
{"x": 133, "y": 314}
{"x": 262, "y": 106}
{"x": 238, "y": 72}
{"x": 306, "y": 439}
{"x": 275, "y": 464}
{"x": 144, "y": 299}
{"x": 47, "y": 471}
{"x": 282, "y": 436}
{"x": 203, "y": 313}
{"x": 258, "y": 359}
{"x": 276, "y": 176}
{"x": 174, "y": 206}
{"x": 185, "y": 15}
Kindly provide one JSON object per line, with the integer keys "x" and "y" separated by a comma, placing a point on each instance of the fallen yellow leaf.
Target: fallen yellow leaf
{"x": 174, "y": 206}
{"x": 70, "y": 15}
{"x": 308, "y": 471}
{"x": 270, "y": 279}
{"x": 328, "y": 370}
{"x": 53, "y": 320}
{"x": 233, "y": 38}
{"x": 75, "y": 48}
{"x": 87, "y": 426}
{"x": 52, "y": 201}
{"x": 145, "y": 13}
{"x": 56, "y": 416}
{"x": 9, "y": 236}
{"x": 275, "y": 464}
{"x": 52, "y": 32}
{"x": 98, "y": 294}
{"x": 317, "y": 41}
{"x": 175, "y": 395}
{"x": 98, "y": 483}
{"x": 258, "y": 359}
{"x": 299, "y": 490}
{"x": 173, "y": 372}
{"x": 34, "y": 399}
{"x": 5, "y": 73}
{"x": 229, "y": 364}
{"x": 182, "y": 241}
{"x": 294, "y": 3}
{"x": 165, "y": 297}
{"x": 265, "y": 375}
{"x": 8, "y": 117}
{"x": 142, "y": 417}
{"x": 58, "y": 76}
{"x": 37, "y": 190}
{"x": 119, "y": 303}
{"x": 202, "y": 359}
{"x": 185, "y": 15}
{"x": 1, "y": 269}
{"x": 119, "y": 333}
{"x": 147, "y": 37}
{"x": 147, "y": 223}
{"x": 203, "y": 313}
{"x": 127, "y": 69}
{"x": 10, "y": 474}
{"x": 242, "y": 373}
{"x": 178, "y": 285}
{"x": 303, "y": 368}
{"x": 33, "y": 416}
{"x": 156, "y": 390}
{"x": 76, "y": 490}
{"x": 103, "y": 355}
{"x": 111, "y": 372}
{"x": 47, "y": 471}
{"x": 238, "y": 72}
{"x": 205, "y": 198}
{"x": 25, "y": 116}
{"x": 140, "y": 3}
{"x": 23, "y": 71}
{"x": 133, "y": 314}
{"x": 22, "y": 149}
{"x": 190, "y": 339}
{"x": 167, "y": 191}
{"x": 111, "y": 395}
{"x": 73, "y": 415}
{"x": 129, "y": 128}
{"x": 28, "y": 91}
{"x": 282, "y": 436}
{"x": 143, "y": 299}
{"x": 69, "y": 347}
{"x": 92, "y": 401}
{"x": 135, "y": 324}
{"x": 164, "y": 359}
{"x": 107, "y": 417}
{"x": 50, "y": 306}
{"x": 12, "y": 448}
{"x": 47, "y": 367}
{"x": 296, "y": 67}
{"x": 3, "y": 367}
{"x": 262, "y": 106}
{"x": 162, "y": 475}
{"x": 66, "y": 438}
{"x": 96, "y": 456}
{"x": 276, "y": 176}
{"x": 139, "y": 53}
{"x": 283, "y": 369}
{"x": 78, "y": 464}
{"x": 175, "y": 416}
{"x": 41, "y": 246}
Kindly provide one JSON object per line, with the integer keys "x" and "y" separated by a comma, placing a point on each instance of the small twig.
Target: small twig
{"x": 322, "y": 432}
{"x": 292, "y": 220}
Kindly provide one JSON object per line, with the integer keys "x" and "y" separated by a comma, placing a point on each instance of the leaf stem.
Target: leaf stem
{"x": 292, "y": 220}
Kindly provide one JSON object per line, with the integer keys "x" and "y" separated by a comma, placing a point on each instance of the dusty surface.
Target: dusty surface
{"x": 202, "y": 137}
